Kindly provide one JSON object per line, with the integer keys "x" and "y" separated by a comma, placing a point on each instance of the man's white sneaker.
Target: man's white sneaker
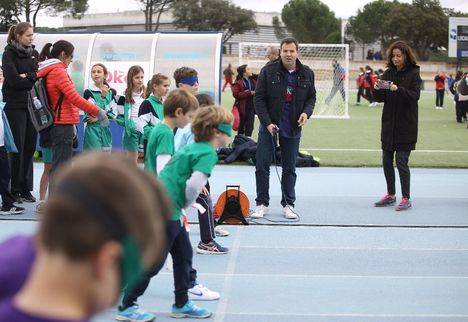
{"x": 221, "y": 232}
{"x": 260, "y": 212}
{"x": 202, "y": 293}
{"x": 289, "y": 212}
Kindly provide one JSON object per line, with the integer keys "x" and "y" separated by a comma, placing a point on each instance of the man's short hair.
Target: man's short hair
{"x": 289, "y": 40}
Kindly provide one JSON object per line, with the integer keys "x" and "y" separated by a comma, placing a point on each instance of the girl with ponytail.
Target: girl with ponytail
{"x": 19, "y": 63}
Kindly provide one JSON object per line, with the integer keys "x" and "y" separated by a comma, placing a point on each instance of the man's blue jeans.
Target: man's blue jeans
{"x": 265, "y": 148}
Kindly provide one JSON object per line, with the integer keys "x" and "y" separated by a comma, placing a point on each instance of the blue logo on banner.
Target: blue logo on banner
{"x": 121, "y": 56}
{"x": 453, "y": 34}
{"x": 185, "y": 56}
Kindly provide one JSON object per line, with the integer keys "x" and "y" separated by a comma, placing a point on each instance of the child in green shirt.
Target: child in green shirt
{"x": 184, "y": 177}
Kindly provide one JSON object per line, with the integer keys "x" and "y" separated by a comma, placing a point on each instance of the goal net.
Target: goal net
{"x": 331, "y": 81}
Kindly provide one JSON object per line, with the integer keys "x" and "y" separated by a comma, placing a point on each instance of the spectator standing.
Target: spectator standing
{"x": 440, "y": 89}
{"x": 243, "y": 91}
{"x": 19, "y": 63}
{"x": 399, "y": 120}
{"x": 228, "y": 74}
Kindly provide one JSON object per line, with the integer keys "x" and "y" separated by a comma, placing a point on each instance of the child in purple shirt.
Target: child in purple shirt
{"x": 89, "y": 246}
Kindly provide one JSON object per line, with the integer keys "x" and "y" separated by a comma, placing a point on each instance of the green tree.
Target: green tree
{"x": 368, "y": 25}
{"x": 310, "y": 21}
{"x": 154, "y": 7}
{"x": 29, "y": 9}
{"x": 279, "y": 30}
{"x": 213, "y": 15}
{"x": 9, "y": 14}
{"x": 423, "y": 24}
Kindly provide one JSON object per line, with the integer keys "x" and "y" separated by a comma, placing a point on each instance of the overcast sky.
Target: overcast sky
{"x": 342, "y": 8}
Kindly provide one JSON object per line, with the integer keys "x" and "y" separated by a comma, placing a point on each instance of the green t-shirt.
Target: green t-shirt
{"x": 198, "y": 156}
{"x": 161, "y": 141}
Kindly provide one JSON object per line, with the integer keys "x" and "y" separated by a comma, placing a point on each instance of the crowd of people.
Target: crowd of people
{"x": 99, "y": 238}
{"x": 457, "y": 86}
{"x": 365, "y": 82}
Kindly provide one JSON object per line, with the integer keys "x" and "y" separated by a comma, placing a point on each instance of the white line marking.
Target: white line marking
{"x": 231, "y": 268}
{"x": 387, "y": 277}
{"x": 361, "y": 248}
{"x": 378, "y": 150}
{"x": 389, "y": 315}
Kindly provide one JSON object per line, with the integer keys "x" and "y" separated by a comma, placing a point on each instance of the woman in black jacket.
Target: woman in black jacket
{"x": 399, "y": 119}
{"x": 19, "y": 63}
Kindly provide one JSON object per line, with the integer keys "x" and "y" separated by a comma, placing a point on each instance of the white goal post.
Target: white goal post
{"x": 332, "y": 84}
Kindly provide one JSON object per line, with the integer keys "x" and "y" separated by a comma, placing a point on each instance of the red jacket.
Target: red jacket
{"x": 58, "y": 82}
{"x": 241, "y": 94}
{"x": 370, "y": 80}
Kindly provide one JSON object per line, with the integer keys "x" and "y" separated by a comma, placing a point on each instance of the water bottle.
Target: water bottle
{"x": 37, "y": 103}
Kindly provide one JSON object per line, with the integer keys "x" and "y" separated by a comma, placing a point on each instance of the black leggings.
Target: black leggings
{"x": 206, "y": 219}
{"x": 21, "y": 163}
{"x": 440, "y": 97}
{"x": 402, "y": 158}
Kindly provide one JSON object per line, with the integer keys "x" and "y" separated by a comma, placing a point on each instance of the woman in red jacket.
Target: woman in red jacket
{"x": 243, "y": 91}
{"x": 64, "y": 99}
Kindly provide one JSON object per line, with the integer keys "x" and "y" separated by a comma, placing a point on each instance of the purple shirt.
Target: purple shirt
{"x": 9, "y": 313}
{"x": 17, "y": 256}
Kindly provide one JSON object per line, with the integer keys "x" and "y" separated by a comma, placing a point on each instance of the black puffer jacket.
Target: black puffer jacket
{"x": 269, "y": 99}
{"x": 400, "y": 112}
{"x": 15, "y": 88}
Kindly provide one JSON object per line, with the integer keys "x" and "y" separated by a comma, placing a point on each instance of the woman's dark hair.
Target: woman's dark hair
{"x": 459, "y": 75}
{"x": 17, "y": 30}
{"x": 241, "y": 71}
{"x": 54, "y": 51}
{"x": 204, "y": 99}
{"x": 410, "y": 57}
{"x": 369, "y": 68}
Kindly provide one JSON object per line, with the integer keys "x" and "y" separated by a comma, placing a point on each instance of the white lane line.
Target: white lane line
{"x": 359, "y": 248}
{"x": 383, "y": 315}
{"x": 317, "y": 276}
{"x": 378, "y": 150}
{"x": 228, "y": 277}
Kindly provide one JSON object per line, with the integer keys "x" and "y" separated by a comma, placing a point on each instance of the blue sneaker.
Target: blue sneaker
{"x": 190, "y": 310}
{"x": 134, "y": 314}
{"x": 211, "y": 248}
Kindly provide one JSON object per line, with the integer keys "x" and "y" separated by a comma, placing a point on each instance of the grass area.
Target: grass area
{"x": 438, "y": 132}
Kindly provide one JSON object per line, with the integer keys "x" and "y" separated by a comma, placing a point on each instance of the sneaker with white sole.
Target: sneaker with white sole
{"x": 211, "y": 248}
{"x": 11, "y": 210}
{"x": 289, "y": 212}
{"x": 134, "y": 314}
{"x": 190, "y": 310}
{"x": 260, "y": 212}
{"x": 220, "y": 232}
{"x": 202, "y": 293}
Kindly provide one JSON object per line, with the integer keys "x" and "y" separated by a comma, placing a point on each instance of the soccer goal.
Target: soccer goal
{"x": 331, "y": 82}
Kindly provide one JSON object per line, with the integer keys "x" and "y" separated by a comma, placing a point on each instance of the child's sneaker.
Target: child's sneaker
{"x": 221, "y": 232}
{"x": 211, "y": 248}
{"x": 202, "y": 293}
{"x": 134, "y": 314}
{"x": 190, "y": 310}
{"x": 405, "y": 204}
{"x": 386, "y": 200}
{"x": 12, "y": 210}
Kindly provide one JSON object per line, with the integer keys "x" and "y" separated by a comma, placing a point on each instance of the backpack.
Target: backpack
{"x": 42, "y": 115}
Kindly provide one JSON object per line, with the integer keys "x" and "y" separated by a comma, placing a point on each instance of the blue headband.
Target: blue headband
{"x": 192, "y": 80}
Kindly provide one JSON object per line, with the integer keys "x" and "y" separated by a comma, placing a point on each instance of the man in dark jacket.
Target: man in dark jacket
{"x": 284, "y": 100}
{"x": 19, "y": 63}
